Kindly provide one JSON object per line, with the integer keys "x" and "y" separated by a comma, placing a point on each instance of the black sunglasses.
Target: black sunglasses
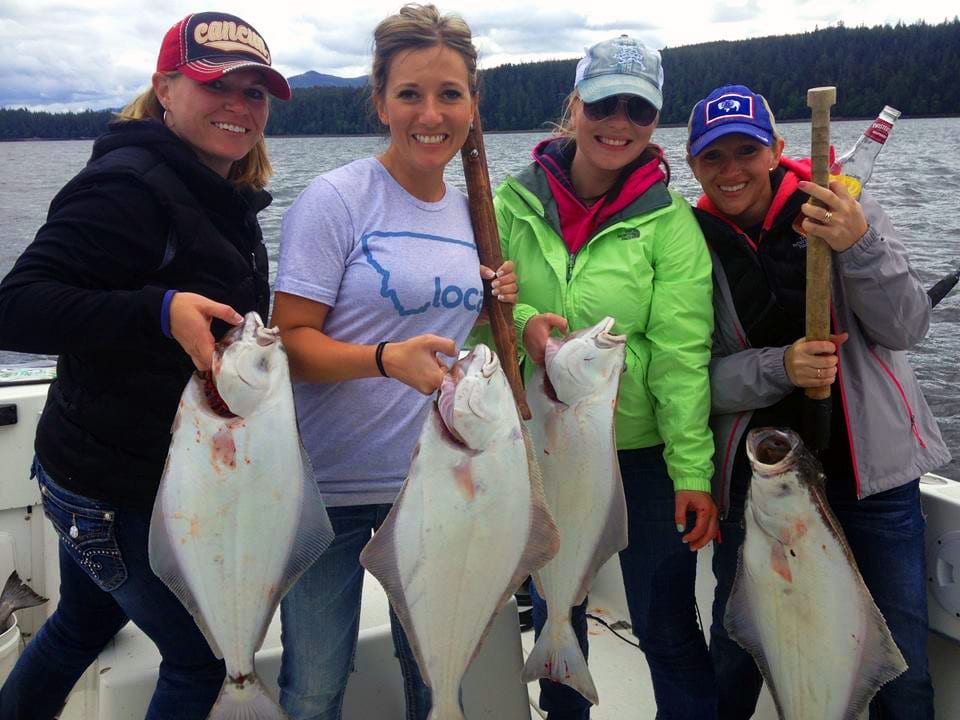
{"x": 639, "y": 111}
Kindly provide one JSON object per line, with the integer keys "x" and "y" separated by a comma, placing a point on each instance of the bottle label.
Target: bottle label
{"x": 879, "y": 130}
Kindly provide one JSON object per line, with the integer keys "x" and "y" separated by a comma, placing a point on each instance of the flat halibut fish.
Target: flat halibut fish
{"x": 238, "y": 516}
{"x": 573, "y": 403}
{"x": 469, "y": 525}
{"x": 799, "y": 605}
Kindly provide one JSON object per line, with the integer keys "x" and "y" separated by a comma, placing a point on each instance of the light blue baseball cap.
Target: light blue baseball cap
{"x": 620, "y": 66}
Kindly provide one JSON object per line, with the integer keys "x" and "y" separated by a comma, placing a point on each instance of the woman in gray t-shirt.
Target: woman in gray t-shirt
{"x": 378, "y": 275}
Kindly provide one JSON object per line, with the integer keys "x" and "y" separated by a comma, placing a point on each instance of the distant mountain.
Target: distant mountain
{"x": 311, "y": 79}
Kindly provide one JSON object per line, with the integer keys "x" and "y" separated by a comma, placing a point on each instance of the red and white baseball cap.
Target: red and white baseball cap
{"x": 206, "y": 46}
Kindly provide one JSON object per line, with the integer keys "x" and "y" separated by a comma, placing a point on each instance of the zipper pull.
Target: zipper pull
{"x": 74, "y": 530}
{"x": 571, "y": 259}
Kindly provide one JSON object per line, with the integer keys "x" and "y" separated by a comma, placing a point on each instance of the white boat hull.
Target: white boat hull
{"x": 118, "y": 686}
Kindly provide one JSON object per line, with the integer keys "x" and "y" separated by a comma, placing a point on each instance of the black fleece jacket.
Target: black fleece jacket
{"x": 143, "y": 217}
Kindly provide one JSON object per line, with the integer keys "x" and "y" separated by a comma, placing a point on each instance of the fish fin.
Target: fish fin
{"x": 613, "y": 539}
{"x": 740, "y": 623}
{"x": 247, "y": 702}
{"x": 164, "y": 563}
{"x": 557, "y": 656}
{"x": 544, "y": 540}
{"x": 314, "y": 530}
{"x": 379, "y": 556}
{"x": 882, "y": 660}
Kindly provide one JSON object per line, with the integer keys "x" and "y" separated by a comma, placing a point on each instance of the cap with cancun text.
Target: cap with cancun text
{"x": 730, "y": 109}
{"x": 621, "y": 66}
{"x": 206, "y": 46}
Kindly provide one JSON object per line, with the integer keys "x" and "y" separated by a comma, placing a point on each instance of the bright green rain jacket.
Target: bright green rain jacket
{"x": 648, "y": 267}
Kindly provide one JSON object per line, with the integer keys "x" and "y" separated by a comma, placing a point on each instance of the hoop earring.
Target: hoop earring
{"x": 166, "y": 114}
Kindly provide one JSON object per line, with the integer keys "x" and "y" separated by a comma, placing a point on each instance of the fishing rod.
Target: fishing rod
{"x": 480, "y": 195}
{"x": 943, "y": 287}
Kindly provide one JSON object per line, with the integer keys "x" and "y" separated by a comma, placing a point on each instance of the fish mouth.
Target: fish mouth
{"x": 481, "y": 358}
{"x": 480, "y": 363}
{"x": 604, "y": 339}
{"x": 448, "y": 432}
{"x": 252, "y": 329}
{"x": 771, "y": 450}
{"x": 601, "y": 334}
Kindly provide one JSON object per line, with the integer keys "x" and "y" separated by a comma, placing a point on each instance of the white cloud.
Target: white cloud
{"x": 75, "y": 54}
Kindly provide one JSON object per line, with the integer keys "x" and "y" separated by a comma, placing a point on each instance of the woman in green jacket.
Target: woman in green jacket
{"x": 594, "y": 231}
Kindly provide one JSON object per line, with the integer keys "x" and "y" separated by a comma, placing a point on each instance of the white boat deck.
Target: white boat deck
{"x": 119, "y": 685}
{"x": 619, "y": 669}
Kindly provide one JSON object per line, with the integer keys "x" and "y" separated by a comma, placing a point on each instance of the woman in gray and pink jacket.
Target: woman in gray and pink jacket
{"x": 755, "y": 214}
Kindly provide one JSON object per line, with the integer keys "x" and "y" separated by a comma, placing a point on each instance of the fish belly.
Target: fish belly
{"x": 805, "y": 615}
{"x": 229, "y": 504}
{"x": 582, "y": 485}
{"x": 458, "y": 546}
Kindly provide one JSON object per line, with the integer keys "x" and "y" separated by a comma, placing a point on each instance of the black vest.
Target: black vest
{"x": 768, "y": 286}
{"x": 105, "y": 429}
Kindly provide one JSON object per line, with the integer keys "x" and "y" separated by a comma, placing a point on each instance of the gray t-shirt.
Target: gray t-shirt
{"x": 390, "y": 267}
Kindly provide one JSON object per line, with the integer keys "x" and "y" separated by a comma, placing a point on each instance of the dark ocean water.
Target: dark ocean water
{"x": 915, "y": 180}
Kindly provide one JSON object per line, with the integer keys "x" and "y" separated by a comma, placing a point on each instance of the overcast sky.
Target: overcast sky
{"x": 77, "y": 54}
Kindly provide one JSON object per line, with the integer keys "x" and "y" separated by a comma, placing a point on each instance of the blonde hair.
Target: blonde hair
{"x": 565, "y": 127}
{"x": 252, "y": 170}
{"x": 415, "y": 27}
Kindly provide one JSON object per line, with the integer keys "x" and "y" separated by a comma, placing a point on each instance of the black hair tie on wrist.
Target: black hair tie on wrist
{"x": 379, "y": 358}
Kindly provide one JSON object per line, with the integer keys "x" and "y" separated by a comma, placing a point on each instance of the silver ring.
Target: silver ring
{"x": 827, "y": 218}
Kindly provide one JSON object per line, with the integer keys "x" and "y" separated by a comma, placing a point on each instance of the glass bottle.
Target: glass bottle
{"x": 856, "y": 165}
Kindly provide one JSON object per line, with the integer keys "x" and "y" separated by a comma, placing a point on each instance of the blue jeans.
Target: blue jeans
{"x": 106, "y": 580}
{"x": 885, "y": 532}
{"x": 320, "y": 619}
{"x": 659, "y": 578}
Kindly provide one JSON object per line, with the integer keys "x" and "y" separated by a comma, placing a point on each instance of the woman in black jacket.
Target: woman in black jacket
{"x": 147, "y": 256}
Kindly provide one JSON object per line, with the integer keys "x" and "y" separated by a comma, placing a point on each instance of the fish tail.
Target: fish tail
{"x": 245, "y": 699}
{"x": 447, "y": 710}
{"x": 17, "y": 595}
{"x": 557, "y": 656}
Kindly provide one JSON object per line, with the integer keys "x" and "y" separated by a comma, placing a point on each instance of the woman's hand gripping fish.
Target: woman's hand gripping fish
{"x": 238, "y": 516}
{"x": 469, "y": 525}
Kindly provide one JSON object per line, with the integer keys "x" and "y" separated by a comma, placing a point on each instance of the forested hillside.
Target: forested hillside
{"x": 915, "y": 68}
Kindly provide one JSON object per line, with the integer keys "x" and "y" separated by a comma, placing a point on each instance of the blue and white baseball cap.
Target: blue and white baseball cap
{"x": 730, "y": 109}
{"x": 621, "y": 66}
